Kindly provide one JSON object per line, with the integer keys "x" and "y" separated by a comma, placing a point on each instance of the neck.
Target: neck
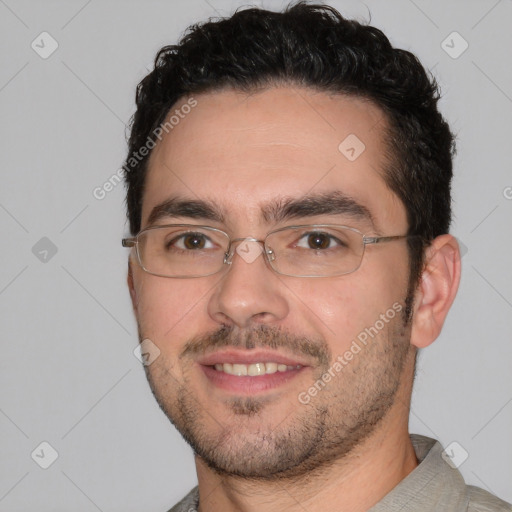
{"x": 355, "y": 483}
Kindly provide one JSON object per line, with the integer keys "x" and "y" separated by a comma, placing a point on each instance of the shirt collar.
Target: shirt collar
{"x": 433, "y": 485}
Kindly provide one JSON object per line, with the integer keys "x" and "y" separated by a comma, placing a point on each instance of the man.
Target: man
{"x": 289, "y": 202}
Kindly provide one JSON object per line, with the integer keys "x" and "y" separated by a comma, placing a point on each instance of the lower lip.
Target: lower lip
{"x": 246, "y": 384}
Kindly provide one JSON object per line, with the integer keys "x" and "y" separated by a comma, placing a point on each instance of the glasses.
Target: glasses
{"x": 187, "y": 251}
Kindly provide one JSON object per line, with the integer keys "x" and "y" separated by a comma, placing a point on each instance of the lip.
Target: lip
{"x": 249, "y": 385}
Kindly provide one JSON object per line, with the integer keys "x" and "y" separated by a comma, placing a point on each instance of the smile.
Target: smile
{"x": 254, "y": 369}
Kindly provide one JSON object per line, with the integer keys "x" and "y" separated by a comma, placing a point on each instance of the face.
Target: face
{"x": 324, "y": 356}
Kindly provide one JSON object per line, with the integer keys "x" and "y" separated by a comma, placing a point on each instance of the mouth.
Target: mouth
{"x": 254, "y": 369}
{"x": 249, "y": 372}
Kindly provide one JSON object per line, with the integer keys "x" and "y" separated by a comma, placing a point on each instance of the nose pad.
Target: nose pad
{"x": 228, "y": 258}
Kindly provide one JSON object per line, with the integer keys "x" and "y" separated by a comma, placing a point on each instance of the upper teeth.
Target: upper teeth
{"x": 253, "y": 369}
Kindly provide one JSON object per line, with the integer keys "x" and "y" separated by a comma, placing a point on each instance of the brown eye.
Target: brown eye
{"x": 316, "y": 240}
{"x": 190, "y": 242}
{"x": 194, "y": 241}
{"x": 319, "y": 241}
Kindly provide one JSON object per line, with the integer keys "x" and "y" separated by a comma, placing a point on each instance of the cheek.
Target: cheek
{"x": 353, "y": 307}
{"x": 337, "y": 308}
{"x": 169, "y": 309}
{"x": 342, "y": 308}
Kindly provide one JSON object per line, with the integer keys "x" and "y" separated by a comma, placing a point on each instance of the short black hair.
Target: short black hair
{"x": 313, "y": 46}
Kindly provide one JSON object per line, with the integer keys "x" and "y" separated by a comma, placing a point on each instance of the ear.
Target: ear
{"x": 436, "y": 291}
{"x": 131, "y": 287}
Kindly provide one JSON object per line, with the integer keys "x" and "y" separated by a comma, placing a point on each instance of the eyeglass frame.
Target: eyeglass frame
{"x": 131, "y": 242}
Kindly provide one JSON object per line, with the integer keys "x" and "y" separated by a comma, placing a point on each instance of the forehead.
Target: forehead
{"x": 242, "y": 151}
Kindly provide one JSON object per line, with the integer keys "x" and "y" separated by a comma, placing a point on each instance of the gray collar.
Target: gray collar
{"x": 433, "y": 485}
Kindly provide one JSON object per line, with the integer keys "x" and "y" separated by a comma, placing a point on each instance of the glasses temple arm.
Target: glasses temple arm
{"x": 381, "y": 239}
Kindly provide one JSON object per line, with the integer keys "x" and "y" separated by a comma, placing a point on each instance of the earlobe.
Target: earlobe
{"x": 436, "y": 290}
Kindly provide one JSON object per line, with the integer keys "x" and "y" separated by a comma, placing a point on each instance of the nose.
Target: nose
{"x": 250, "y": 292}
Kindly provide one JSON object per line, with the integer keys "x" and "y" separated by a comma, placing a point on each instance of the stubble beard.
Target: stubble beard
{"x": 339, "y": 418}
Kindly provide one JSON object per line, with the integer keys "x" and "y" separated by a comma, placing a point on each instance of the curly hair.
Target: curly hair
{"x": 313, "y": 46}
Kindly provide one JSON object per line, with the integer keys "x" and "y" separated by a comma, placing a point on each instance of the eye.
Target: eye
{"x": 319, "y": 240}
{"x": 190, "y": 242}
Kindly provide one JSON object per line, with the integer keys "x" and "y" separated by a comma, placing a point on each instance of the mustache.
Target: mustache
{"x": 263, "y": 336}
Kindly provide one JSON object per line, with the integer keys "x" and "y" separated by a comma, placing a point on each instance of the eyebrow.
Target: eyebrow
{"x": 274, "y": 211}
{"x": 329, "y": 203}
{"x": 181, "y": 207}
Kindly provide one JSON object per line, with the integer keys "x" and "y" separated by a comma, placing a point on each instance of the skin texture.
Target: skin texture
{"x": 266, "y": 450}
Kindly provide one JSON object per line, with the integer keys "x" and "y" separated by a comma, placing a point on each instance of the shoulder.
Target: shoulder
{"x": 483, "y": 501}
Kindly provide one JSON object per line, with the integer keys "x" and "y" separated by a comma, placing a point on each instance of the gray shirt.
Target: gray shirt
{"x": 433, "y": 486}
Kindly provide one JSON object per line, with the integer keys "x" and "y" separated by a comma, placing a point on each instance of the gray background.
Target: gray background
{"x": 68, "y": 375}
